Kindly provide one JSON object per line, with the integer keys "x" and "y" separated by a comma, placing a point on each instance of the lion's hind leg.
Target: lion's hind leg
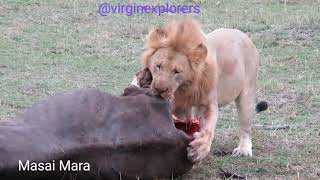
{"x": 245, "y": 107}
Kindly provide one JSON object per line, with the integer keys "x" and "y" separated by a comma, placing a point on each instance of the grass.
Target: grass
{"x": 47, "y": 47}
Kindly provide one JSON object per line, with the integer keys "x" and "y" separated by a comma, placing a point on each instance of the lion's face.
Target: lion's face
{"x": 174, "y": 55}
{"x": 170, "y": 70}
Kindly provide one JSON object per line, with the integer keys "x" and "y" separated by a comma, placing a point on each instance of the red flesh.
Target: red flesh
{"x": 189, "y": 126}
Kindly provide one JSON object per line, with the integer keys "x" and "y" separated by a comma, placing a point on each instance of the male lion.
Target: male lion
{"x": 206, "y": 72}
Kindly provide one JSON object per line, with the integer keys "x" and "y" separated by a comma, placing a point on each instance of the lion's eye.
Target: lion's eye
{"x": 158, "y": 66}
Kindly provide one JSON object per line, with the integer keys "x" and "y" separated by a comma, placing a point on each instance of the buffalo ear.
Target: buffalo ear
{"x": 198, "y": 54}
{"x": 130, "y": 90}
{"x": 144, "y": 78}
{"x": 134, "y": 90}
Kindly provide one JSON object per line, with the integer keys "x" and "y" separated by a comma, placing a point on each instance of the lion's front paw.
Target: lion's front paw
{"x": 200, "y": 147}
{"x": 243, "y": 150}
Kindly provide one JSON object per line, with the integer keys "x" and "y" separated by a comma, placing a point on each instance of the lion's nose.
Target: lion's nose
{"x": 161, "y": 90}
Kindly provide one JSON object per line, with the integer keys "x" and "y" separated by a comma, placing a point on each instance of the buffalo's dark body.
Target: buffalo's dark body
{"x": 127, "y": 136}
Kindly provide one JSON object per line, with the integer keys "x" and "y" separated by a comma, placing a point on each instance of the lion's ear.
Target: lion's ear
{"x": 198, "y": 54}
{"x": 156, "y": 38}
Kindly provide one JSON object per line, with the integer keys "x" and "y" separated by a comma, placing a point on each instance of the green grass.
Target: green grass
{"x": 47, "y": 47}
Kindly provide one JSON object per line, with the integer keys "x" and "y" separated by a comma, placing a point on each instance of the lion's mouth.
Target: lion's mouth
{"x": 165, "y": 94}
{"x": 189, "y": 126}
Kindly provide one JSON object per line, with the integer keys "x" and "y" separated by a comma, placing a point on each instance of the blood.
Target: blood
{"x": 189, "y": 126}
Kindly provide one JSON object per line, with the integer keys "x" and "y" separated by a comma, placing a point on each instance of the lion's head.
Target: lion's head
{"x": 175, "y": 55}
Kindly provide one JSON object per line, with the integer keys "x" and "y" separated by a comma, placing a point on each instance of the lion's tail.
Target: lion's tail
{"x": 262, "y": 106}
